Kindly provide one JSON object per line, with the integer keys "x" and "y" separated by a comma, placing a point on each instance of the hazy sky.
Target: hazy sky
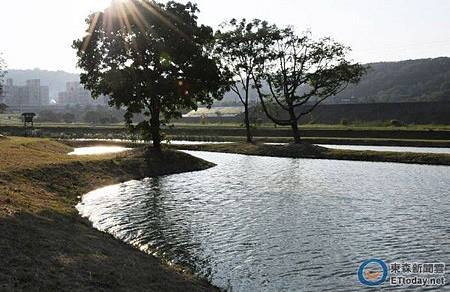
{"x": 39, "y": 33}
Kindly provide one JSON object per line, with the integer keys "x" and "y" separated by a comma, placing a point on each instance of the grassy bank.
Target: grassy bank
{"x": 322, "y": 140}
{"x": 316, "y": 152}
{"x": 45, "y": 245}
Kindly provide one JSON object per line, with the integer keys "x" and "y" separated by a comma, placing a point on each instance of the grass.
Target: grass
{"x": 356, "y": 126}
{"x": 317, "y": 134}
{"x": 15, "y": 120}
{"x": 10, "y": 119}
{"x": 316, "y": 152}
{"x": 45, "y": 245}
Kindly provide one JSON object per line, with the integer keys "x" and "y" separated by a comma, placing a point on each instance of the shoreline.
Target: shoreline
{"x": 340, "y": 135}
{"x": 308, "y": 151}
{"x": 293, "y": 151}
{"x": 47, "y": 245}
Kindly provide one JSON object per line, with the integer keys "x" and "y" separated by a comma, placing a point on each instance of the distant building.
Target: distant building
{"x": 30, "y": 94}
{"x": 225, "y": 112}
{"x": 76, "y": 94}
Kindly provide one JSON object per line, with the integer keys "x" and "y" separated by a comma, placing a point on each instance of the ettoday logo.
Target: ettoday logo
{"x": 375, "y": 272}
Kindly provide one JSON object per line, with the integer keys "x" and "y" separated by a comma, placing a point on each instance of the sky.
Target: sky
{"x": 39, "y": 33}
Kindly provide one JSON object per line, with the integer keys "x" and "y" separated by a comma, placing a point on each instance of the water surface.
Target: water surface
{"x": 97, "y": 150}
{"x": 436, "y": 150}
{"x": 391, "y": 148}
{"x": 278, "y": 224}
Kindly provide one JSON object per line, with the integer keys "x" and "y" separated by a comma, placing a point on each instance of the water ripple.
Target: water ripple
{"x": 276, "y": 224}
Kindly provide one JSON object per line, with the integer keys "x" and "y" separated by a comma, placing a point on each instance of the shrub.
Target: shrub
{"x": 100, "y": 117}
{"x": 68, "y": 118}
{"x": 49, "y": 116}
{"x": 396, "y": 123}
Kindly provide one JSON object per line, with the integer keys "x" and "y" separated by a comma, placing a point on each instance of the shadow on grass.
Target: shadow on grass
{"x": 45, "y": 245}
{"x": 51, "y": 251}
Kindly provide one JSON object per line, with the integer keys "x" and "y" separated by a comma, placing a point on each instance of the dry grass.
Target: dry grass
{"x": 25, "y": 153}
{"x": 45, "y": 245}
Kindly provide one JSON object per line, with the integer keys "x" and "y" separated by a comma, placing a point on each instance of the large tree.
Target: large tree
{"x": 299, "y": 73}
{"x": 150, "y": 58}
{"x": 240, "y": 45}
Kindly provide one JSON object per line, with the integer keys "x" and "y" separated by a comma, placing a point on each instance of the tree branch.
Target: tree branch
{"x": 320, "y": 101}
{"x": 269, "y": 81}
{"x": 273, "y": 119}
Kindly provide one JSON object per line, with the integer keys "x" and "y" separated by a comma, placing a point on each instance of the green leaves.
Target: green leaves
{"x": 302, "y": 72}
{"x": 136, "y": 52}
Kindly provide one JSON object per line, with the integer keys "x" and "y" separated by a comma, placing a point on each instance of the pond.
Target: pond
{"x": 269, "y": 224}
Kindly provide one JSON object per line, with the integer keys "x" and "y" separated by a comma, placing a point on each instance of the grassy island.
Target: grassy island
{"x": 44, "y": 243}
{"x": 316, "y": 152}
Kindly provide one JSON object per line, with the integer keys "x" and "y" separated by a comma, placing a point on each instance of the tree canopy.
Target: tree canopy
{"x": 301, "y": 73}
{"x": 240, "y": 46}
{"x": 150, "y": 58}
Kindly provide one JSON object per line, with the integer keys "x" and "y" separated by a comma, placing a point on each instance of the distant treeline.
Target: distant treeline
{"x": 403, "y": 113}
{"x": 396, "y": 113}
{"x": 92, "y": 115}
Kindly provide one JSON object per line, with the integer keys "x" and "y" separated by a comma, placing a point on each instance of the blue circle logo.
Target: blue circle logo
{"x": 373, "y": 272}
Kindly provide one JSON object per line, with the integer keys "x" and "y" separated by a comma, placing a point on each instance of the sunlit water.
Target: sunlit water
{"x": 391, "y": 148}
{"x": 270, "y": 224}
{"x": 172, "y": 142}
{"x": 436, "y": 150}
{"x": 97, "y": 150}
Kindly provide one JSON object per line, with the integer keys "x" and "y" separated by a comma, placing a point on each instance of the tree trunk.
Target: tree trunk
{"x": 247, "y": 125}
{"x": 155, "y": 128}
{"x": 296, "y": 133}
{"x": 294, "y": 126}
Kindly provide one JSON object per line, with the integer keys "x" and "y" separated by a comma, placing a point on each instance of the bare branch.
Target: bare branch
{"x": 269, "y": 115}
{"x": 320, "y": 101}
{"x": 235, "y": 89}
{"x": 269, "y": 81}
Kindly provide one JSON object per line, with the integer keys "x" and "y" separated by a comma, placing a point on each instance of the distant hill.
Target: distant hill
{"x": 405, "y": 81}
{"x": 56, "y": 80}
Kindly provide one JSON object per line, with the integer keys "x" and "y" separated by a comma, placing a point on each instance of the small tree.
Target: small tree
{"x": 3, "y": 108}
{"x": 49, "y": 116}
{"x": 300, "y": 73}
{"x": 241, "y": 47}
{"x": 68, "y": 117}
{"x": 150, "y": 58}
